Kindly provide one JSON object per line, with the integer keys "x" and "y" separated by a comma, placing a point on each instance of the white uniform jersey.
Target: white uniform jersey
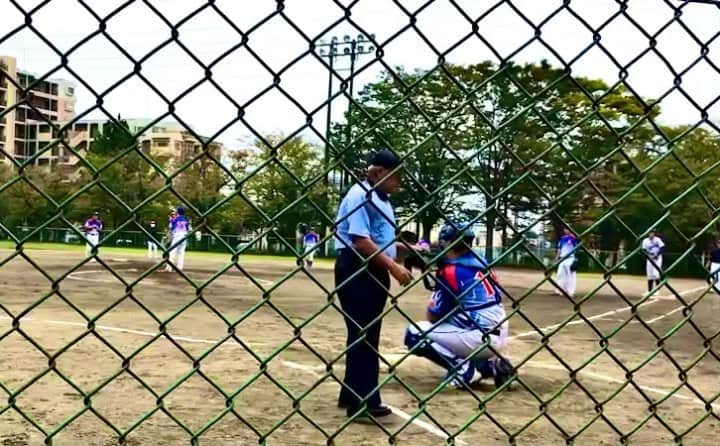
{"x": 653, "y": 246}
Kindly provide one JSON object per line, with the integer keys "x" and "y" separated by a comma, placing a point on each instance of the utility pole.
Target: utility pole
{"x": 333, "y": 50}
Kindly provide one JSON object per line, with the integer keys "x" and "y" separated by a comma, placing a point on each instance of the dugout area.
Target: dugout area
{"x": 152, "y": 364}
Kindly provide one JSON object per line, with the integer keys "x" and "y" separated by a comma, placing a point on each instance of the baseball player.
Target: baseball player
{"x": 566, "y": 276}
{"x": 465, "y": 315}
{"x": 152, "y": 240}
{"x": 652, "y": 247}
{"x": 715, "y": 266}
{"x": 93, "y": 226}
{"x": 179, "y": 229}
{"x": 310, "y": 240}
{"x": 167, "y": 236}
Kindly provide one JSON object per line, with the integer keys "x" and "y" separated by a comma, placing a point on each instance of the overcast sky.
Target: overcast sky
{"x": 139, "y": 30}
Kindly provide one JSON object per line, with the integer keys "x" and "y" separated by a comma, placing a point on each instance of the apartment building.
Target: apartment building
{"x": 25, "y": 130}
{"x": 168, "y": 143}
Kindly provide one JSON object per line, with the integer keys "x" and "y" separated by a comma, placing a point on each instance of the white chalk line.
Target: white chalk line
{"x": 392, "y": 356}
{"x": 650, "y": 301}
{"x": 397, "y": 356}
{"x": 596, "y": 376}
{"x": 74, "y": 276}
{"x": 419, "y": 423}
{"x": 309, "y": 369}
{"x": 114, "y": 329}
{"x": 663, "y": 316}
{"x": 610, "y": 379}
{"x": 398, "y": 412}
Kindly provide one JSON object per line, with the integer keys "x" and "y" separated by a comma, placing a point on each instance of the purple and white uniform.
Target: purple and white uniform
{"x": 179, "y": 229}
{"x": 93, "y": 227}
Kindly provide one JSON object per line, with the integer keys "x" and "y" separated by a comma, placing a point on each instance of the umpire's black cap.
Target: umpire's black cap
{"x": 385, "y": 158}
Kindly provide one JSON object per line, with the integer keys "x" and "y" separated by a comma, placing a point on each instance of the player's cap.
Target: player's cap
{"x": 96, "y": 213}
{"x": 385, "y": 158}
{"x": 452, "y": 231}
{"x": 180, "y": 210}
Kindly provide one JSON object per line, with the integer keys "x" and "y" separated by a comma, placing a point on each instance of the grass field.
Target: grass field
{"x": 164, "y": 374}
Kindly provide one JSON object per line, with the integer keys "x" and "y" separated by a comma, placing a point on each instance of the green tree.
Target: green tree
{"x": 274, "y": 190}
{"x": 131, "y": 178}
{"x": 680, "y": 181}
{"x": 23, "y": 205}
{"x": 200, "y": 184}
{"x": 115, "y": 137}
{"x": 483, "y": 138}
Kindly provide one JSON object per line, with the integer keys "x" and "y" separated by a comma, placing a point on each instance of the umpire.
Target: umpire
{"x": 365, "y": 224}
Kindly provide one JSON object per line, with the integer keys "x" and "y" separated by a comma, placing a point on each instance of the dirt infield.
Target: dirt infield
{"x": 545, "y": 407}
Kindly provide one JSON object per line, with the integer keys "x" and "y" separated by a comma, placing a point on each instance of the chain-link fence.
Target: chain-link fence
{"x": 568, "y": 149}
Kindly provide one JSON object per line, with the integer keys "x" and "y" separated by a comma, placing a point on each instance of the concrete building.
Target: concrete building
{"x": 168, "y": 143}
{"x": 25, "y": 130}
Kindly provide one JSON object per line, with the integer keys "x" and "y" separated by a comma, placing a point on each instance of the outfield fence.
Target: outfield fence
{"x": 533, "y": 257}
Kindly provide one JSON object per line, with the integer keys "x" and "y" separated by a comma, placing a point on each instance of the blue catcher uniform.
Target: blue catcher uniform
{"x": 467, "y": 293}
{"x": 466, "y": 316}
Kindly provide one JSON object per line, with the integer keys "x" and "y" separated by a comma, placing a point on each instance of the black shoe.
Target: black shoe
{"x": 343, "y": 404}
{"x": 504, "y": 371}
{"x": 375, "y": 412}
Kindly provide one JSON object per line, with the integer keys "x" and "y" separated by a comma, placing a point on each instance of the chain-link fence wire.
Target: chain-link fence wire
{"x": 501, "y": 141}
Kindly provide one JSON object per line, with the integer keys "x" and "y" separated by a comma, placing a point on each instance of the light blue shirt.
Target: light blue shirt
{"x": 365, "y": 215}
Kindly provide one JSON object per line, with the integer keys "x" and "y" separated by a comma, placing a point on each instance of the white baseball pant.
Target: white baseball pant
{"x": 92, "y": 241}
{"x": 152, "y": 249}
{"x": 653, "y": 268}
{"x": 177, "y": 254}
{"x": 566, "y": 277}
{"x": 455, "y": 343}
{"x": 310, "y": 252}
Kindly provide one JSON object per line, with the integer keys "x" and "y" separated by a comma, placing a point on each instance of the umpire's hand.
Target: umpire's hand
{"x": 401, "y": 274}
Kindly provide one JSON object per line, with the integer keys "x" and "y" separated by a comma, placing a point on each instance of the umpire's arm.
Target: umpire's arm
{"x": 367, "y": 247}
{"x": 359, "y": 230}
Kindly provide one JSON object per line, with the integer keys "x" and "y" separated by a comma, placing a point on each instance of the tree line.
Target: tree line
{"x": 534, "y": 140}
{"x": 480, "y": 142}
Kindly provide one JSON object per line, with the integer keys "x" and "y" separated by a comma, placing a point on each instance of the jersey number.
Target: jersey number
{"x": 487, "y": 281}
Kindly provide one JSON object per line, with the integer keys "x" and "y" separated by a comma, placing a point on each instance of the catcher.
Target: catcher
{"x": 465, "y": 315}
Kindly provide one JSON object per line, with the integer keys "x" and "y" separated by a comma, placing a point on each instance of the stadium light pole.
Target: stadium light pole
{"x": 333, "y": 50}
{"x": 348, "y": 47}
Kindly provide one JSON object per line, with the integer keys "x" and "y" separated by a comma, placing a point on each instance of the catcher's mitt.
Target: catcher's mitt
{"x": 409, "y": 237}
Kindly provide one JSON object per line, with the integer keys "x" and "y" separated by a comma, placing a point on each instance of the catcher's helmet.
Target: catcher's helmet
{"x": 452, "y": 231}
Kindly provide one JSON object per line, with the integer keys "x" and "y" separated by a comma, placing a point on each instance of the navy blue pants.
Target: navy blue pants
{"x": 362, "y": 299}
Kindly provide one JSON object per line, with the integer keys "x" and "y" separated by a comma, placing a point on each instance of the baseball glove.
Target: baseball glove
{"x": 409, "y": 237}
